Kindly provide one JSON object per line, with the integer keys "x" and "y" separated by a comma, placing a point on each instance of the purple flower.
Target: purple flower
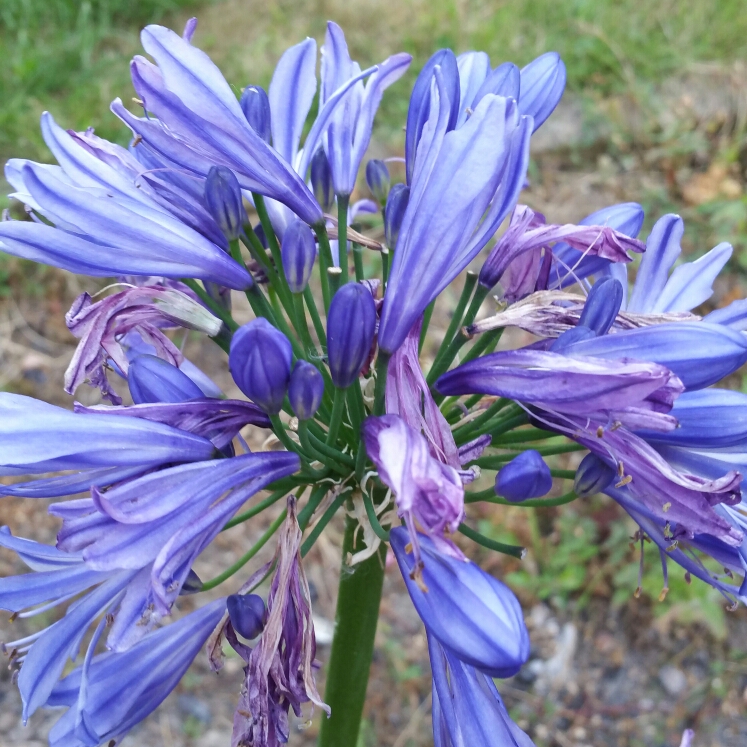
{"x": 102, "y": 328}
{"x": 464, "y": 183}
{"x": 467, "y": 709}
{"x": 248, "y": 614}
{"x": 559, "y": 383}
{"x": 305, "y": 390}
{"x": 351, "y": 326}
{"x": 408, "y": 395}
{"x": 260, "y": 363}
{"x": 224, "y": 202}
{"x": 699, "y": 353}
{"x": 689, "y": 285}
{"x": 113, "y": 692}
{"x": 158, "y": 524}
{"x": 299, "y": 253}
{"x": 349, "y": 132}
{"x": 473, "y": 615}
{"x": 525, "y": 476}
{"x": 428, "y": 492}
{"x": 154, "y": 380}
{"x": 101, "y": 229}
{"x": 528, "y": 232}
{"x": 571, "y": 265}
{"x": 280, "y": 668}
{"x": 220, "y": 420}
{"x": 36, "y": 437}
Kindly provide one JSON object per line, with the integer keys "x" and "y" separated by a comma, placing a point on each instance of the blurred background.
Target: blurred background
{"x": 655, "y": 111}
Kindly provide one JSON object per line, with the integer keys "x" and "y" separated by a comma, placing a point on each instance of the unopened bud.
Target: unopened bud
{"x": 394, "y": 212}
{"x": 592, "y": 476}
{"x": 351, "y": 325}
{"x": 256, "y": 108}
{"x": 377, "y": 178}
{"x": 602, "y": 305}
{"x": 298, "y": 254}
{"x": 248, "y": 614}
{"x": 321, "y": 180}
{"x": 260, "y": 363}
{"x": 152, "y": 380}
{"x": 305, "y": 390}
{"x": 223, "y": 201}
{"x": 524, "y": 477}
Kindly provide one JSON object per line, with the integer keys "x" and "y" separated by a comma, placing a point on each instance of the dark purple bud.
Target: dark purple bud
{"x": 524, "y": 477}
{"x": 351, "y": 325}
{"x": 153, "y": 379}
{"x": 321, "y": 180}
{"x": 256, "y": 108}
{"x": 248, "y": 614}
{"x": 420, "y": 102}
{"x": 570, "y": 336}
{"x": 592, "y": 476}
{"x": 223, "y": 201}
{"x": 260, "y": 363}
{"x": 602, "y": 305}
{"x": 394, "y": 212}
{"x": 305, "y": 390}
{"x": 377, "y": 178}
{"x": 299, "y": 253}
{"x": 192, "y": 585}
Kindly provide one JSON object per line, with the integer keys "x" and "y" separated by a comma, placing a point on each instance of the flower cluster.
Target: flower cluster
{"x": 216, "y": 194}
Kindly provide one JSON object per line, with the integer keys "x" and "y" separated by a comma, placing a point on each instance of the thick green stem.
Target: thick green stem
{"x": 382, "y": 368}
{"x": 352, "y": 649}
{"x": 325, "y": 261}
{"x": 336, "y": 418}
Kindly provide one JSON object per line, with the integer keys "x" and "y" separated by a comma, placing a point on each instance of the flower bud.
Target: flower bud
{"x": 298, "y": 254}
{"x": 394, "y": 212}
{"x": 525, "y": 476}
{"x": 467, "y": 610}
{"x": 574, "y": 334}
{"x": 351, "y": 325}
{"x": 377, "y": 178}
{"x": 592, "y": 476}
{"x": 153, "y": 379}
{"x": 305, "y": 390}
{"x": 248, "y": 614}
{"x": 602, "y": 305}
{"x": 223, "y": 201}
{"x": 321, "y": 180}
{"x": 256, "y": 108}
{"x": 260, "y": 363}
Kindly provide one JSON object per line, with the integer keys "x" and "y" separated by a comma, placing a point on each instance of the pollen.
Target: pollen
{"x": 666, "y": 506}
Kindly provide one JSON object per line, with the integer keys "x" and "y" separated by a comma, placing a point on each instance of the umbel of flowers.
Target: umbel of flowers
{"x": 330, "y": 364}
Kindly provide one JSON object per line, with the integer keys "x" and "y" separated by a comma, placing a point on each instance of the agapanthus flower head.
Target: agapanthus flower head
{"x": 256, "y": 107}
{"x": 305, "y": 390}
{"x": 525, "y": 476}
{"x": 279, "y": 669}
{"x": 224, "y": 202}
{"x": 152, "y": 379}
{"x": 298, "y": 254}
{"x": 468, "y": 611}
{"x": 260, "y": 363}
{"x": 351, "y": 326}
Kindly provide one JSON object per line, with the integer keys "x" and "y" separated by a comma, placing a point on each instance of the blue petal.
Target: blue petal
{"x": 662, "y": 250}
{"x": 474, "y": 67}
{"x": 700, "y": 354}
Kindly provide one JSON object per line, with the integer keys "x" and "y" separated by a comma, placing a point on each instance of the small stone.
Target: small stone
{"x": 673, "y": 680}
